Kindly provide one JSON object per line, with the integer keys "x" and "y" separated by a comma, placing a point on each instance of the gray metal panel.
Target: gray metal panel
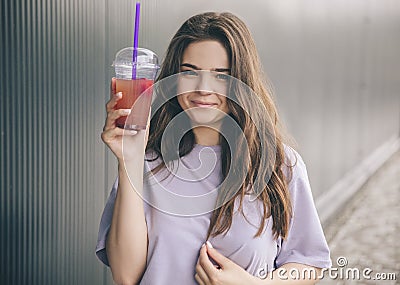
{"x": 334, "y": 65}
{"x": 52, "y": 160}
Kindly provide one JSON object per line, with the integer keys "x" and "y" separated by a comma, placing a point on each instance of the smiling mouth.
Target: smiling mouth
{"x": 203, "y": 104}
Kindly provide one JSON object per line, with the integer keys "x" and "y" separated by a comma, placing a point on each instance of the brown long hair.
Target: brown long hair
{"x": 245, "y": 66}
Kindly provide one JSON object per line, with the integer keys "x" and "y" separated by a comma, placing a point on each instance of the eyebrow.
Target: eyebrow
{"x": 198, "y": 68}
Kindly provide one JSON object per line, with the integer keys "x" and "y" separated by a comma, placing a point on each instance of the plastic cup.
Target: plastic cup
{"x": 137, "y": 89}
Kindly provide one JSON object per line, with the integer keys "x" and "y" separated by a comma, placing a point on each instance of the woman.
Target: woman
{"x": 263, "y": 220}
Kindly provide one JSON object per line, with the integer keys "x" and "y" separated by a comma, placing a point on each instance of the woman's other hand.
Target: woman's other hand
{"x": 227, "y": 273}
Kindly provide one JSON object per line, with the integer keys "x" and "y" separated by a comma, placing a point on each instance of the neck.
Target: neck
{"x": 206, "y": 136}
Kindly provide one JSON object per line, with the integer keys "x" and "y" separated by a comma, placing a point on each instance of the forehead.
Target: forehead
{"x": 206, "y": 55}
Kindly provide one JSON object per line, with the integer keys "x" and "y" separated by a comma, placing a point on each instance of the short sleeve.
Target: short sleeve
{"x": 305, "y": 243}
{"x": 105, "y": 223}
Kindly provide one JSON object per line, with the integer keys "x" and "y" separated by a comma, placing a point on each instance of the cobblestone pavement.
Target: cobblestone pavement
{"x": 366, "y": 233}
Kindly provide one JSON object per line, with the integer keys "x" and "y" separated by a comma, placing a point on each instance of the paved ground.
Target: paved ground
{"x": 367, "y": 231}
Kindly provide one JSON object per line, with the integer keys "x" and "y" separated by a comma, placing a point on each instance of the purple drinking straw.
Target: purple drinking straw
{"x": 135, "y": 40}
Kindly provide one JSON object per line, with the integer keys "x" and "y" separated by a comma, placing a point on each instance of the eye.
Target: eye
{"x": 222, "y": 76}
{"x": 191, "y": 73}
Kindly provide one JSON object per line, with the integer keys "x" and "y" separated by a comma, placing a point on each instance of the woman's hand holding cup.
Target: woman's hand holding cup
{"x": 114, "y": 137}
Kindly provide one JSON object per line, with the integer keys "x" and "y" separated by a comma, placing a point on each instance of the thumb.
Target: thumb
{"x": 216, "y": 256}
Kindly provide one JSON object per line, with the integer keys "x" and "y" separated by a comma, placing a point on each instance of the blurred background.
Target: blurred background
{"x": 334, "y": 65}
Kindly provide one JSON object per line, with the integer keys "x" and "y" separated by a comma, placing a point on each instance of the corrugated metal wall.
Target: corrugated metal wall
{"x": 334, "y": 64}
{"x": 52, "y": 163}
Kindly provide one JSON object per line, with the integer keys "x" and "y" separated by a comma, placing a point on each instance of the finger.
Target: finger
{"x": 198, "y": 279}
{"x": 205, "y": 263}
{"x": 216, "y": 256}
{"x": 109, "y": 135}
{"x": 201, "y": 273}
{"x": 113, "y": 115}
{"x": 113, "y": 87}
{"x": 113, "y": 101}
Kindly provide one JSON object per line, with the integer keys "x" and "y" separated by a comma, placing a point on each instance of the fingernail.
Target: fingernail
{"x": 209, "y": 244}
{"x": 203, "y": 245}
{"x": 133, "y": 132}
{"x": 119, "y": 94}
{"x": 127, "y": 111}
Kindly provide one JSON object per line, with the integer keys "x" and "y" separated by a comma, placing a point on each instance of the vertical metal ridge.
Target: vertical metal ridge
{"x": 79, "y": 124}
{"x": 6, "y": 139}
{"x": 25, "y": 152}
{"x": 42, "y": 144}
{"x": 8, "y": 155}
{"x": 18, "y": 131}
{"x": 36, "y": 154}
{"x": 107, "y": 38}
{"x": 72, "y": 137}
{"x": 60, "y": 134}
{"x": 13, "y": 164}
{"x": 44, "y": 138}
{"x": 3, "y": 143}
{"x": 69, "y": 143}
{"x": 52, "y": 141}
{"x": 29, "y": 124}
{"x": 87, "y": 34}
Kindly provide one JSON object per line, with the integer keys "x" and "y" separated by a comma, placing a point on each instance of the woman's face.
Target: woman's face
{"x": 203, "y": 82}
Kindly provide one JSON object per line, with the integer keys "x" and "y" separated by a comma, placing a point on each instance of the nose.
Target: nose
{"x": 204, "y": 86}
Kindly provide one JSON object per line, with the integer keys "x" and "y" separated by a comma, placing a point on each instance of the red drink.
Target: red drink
{"x": 131, "y": 89}
{"x": 135, "y": 77}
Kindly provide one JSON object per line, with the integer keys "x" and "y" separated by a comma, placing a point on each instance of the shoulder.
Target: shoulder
{"x": 296, "y": 175}
{"x": 298, "y": 182}
{"x": 293, "y": 165}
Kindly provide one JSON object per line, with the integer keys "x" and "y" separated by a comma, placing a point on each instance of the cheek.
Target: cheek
{"x": 182, "y": 100}
{"x": 224, "y": 103}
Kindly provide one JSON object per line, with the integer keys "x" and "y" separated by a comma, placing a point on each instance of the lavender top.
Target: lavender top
{"x": 175, "y": 236}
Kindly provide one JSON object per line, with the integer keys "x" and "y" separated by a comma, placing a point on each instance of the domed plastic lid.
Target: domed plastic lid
{"x": 146, "y": 65}
{"x": 145, "y": 58}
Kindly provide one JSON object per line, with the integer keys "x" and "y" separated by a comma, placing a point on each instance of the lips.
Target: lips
{"x": 202, "y": 104}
